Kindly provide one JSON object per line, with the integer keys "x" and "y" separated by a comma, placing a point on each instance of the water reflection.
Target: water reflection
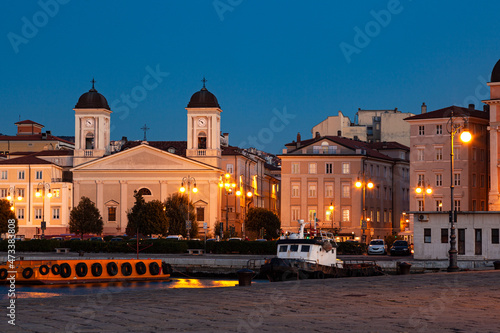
{"x": 45, "y": 291}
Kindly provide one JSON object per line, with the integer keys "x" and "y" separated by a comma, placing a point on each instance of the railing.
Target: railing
{"x": 88, "y": 153}
{"x": 201, "y": 152}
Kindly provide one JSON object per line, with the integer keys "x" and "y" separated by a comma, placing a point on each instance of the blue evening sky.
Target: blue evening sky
{"x": 276, "y": 67}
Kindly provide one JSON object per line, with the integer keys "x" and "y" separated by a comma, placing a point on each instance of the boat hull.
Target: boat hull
{"x": 278, "y": 269}
{"x": 50, "y": 272}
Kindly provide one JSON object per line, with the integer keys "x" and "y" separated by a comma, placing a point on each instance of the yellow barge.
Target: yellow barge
{"x": 84, "y": 271}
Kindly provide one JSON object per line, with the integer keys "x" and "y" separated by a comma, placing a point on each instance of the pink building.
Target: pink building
{"x": 322, "y": 172}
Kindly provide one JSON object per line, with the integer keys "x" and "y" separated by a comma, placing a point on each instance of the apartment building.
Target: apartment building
{"x": 321, "y": 172}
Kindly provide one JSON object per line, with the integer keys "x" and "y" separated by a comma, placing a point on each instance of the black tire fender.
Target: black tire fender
{"x": 81, "y": 269}
{"x": 96, "y": 269}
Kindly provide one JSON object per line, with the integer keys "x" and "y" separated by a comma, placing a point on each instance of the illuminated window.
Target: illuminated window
{"x": 295, "y": 213}
{"x": 111, "y": 214}
{"x": 439, "y": 205}
{"x": 295, "y": 168}
{"x": 346, "y": 168}
{"x": 312, "y": 167}
{"x": 312, "y": 190}
{"x": 56, "y": 193}
{"x": 229, "y": 168}
{"x": 346, "y": 215}
{"x": 295, "y": 191}
{"x": 329, "y": 190}
{"x": 312, "y": 214}
{"x": 346, "y": 190}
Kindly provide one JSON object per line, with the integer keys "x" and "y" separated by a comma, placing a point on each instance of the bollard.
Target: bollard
{"x": 496, "y": 264}
{"x": 404, "y": 268}
{"x": 245, "y": 276}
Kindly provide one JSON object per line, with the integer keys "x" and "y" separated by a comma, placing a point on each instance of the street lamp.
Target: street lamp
{"x": 465, "y": 137}
{"x": 187, "y": 181}
{"x": 421, "y": 189}
{"x": 329, "y": 213}
{"x": 44, "y": 186}
{"x": 248, "y": 197}
{"x": 228, "y": 185}
{"x": 361, "y": 183}
{"x": 11, "y": 197}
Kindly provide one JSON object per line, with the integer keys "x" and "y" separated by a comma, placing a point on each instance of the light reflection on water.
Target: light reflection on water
{"x": 45, "y": 291}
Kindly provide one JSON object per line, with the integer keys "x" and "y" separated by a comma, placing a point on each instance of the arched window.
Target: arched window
{"x": 89, "y": 141}
{"x": 202, "y": 140}
{"x": 144, "y": 191}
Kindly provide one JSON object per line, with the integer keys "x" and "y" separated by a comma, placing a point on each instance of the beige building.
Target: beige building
{"x": 29, "y": 138}
{"x": 21, "y": 179}
{"x": 494, "y": 138}
{"x": 371, "y": 125}
{"x": 322, "y": 172}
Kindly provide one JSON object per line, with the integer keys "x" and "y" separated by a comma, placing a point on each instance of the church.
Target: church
{"x": 109, "y": 173}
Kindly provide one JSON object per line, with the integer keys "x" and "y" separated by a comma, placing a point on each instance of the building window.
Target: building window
{"x": 329, "y": 191}
{"x": 474, "y": 180}
{"x": 295, "y": 191}
{"x": 385, "y": 216}
{"x": 439, "y": 179}
{"x": 457, "y": 205}
{"x": 495, "y": 236}
{"x": 439, "y": 129}
{"x": 478, "y": 249}
{"x": 474, "y": 154}
{"x": 482, "y": 205}
{"x": 111, "y": 214}
{"x": 295, "y": 168}
{"x": 295, "y": 213}
{"x": 345, "y": 215}
{"x": 38, "y": 213}
{"x": 312, "y": 191}
{"x": 456, "y": 153}
{"x": 444, "y": 235}
{"x": 202, "y": 140}
{"x": 474, "y": 205}
{"x": 56, "y": 193}
{"x": 482, "y": 181}
{"x": 329, "y": 168}
{"x": 312, "y": 214}
{"x": 20, "y": 192}
{"x": 420, "y": 179}
{"x": 20, "y": 213}
{"x": 420, "y": 155}
{"x": 3, "y": 192}
{"x": 55, "y": 213}
{"x": 439, "y": 205}
{"x": 456, "y": 178}
{"x": 420, "y": 204}
{"x": 378, "y": 216}
{"x": 346, "y": 191}
{"x": 312, "y": 167}
{"x": 4, "y": 174}
{"x": 20, "y": 174}
{"x": 461, "y": 241}
{"x": 144, "y": 191}
{"x": 229, "y": 168}
{"x": 200, "y": 214}
{"x": 421, "y": 130}
{"x": 346, "y": 168}
{"x": 439, "y": 154}
{"x": 38, "y": 175}
{"x": 427, "y": 235}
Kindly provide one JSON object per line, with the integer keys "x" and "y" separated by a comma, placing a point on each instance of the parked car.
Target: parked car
{"x": 261, "y": 240}
{"x": 400, "y": 248}
{"x": 175, "y": 237}
{"x": 57, "y": 238}
{"x": 116, "y": 239}
{"x": 96, "y": 239}
{"x": 234, "y": 239}
{"x": 75, "y": 238}
{"x": 377, "y": 246}
{"x": 212, "y": 240}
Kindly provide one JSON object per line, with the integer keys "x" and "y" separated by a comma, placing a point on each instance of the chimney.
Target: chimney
{"x": 298, "y": 137}
{"x": 472, "y": 107}
{"x": 423, "y": 108}
{"x": 486, "y": 108}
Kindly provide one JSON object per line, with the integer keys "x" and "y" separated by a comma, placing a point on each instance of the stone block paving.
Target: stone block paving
{"x": 434, "y": 302}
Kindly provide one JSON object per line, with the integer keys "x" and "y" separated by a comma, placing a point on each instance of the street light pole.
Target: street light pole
{"x": 465, "y": 137}
{"x": 188, "y": 180}
{"x": 43, "y": 186}
{"x": 228, "y": 185}
{"x": 363, "y": 185}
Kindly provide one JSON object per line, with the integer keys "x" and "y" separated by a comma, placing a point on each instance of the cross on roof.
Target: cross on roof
{"x": 145, "y": 129}
{"x": 204, "y": 80}
{"x": 93, "y": 81}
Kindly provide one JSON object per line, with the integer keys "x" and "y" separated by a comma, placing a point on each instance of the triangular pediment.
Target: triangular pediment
{"x": 143, "y": 157}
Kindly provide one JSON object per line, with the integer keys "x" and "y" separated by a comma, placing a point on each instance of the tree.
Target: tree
{"x": 258, "y": 218}
{"x": 147, "y": 217}
{"x": 85, "y": 218}
{"x": 6, "y": 214}
{"x": 176, "y": 208}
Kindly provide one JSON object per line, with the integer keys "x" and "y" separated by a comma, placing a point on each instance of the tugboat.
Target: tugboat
{"x": 83, "y": 271}
{"x": 301, "y": 258}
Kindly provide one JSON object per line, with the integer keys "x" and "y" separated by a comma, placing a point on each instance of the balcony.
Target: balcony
{"x": 89, "y": 153}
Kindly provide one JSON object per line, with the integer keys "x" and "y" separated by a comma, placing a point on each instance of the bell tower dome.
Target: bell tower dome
{"x": 203, "y": 127}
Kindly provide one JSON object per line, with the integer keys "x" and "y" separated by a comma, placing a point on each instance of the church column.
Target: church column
{"x": 99, "y": 196}
{"x": 123, "y": 206}
{"x": 163, "y": 190}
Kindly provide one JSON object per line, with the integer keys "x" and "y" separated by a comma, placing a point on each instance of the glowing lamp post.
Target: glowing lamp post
{"x": 361, "y": 183}
{"x": 42, "y": 194}
{"x": 187, "y": 182}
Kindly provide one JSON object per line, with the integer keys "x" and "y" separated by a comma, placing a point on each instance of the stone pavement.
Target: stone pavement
{"x": 434, "y": 302}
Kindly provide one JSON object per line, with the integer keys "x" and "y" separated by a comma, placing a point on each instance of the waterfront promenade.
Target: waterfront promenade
{"x": 433, "y": 302}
